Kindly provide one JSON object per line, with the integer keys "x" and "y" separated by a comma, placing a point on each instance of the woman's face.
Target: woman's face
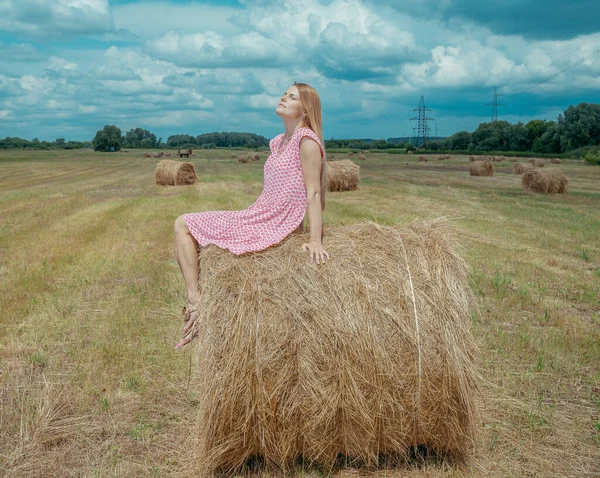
{"x": 289, "y": 104}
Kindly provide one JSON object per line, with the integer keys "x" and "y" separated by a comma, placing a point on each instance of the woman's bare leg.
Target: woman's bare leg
{"x": 186, "y": 252}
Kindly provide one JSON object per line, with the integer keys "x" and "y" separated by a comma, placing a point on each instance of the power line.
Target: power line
{"x": 577, "y": 63}
{"x": 574, "y": 88}
{"x": 555, "y": 61}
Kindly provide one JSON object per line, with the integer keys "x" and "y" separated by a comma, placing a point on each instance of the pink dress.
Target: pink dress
{"x": 277, "y": 212}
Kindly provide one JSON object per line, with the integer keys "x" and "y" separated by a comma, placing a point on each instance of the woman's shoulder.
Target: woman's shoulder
{"x": 306, "y": 131}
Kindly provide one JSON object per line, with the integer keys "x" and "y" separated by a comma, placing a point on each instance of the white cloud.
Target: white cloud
{"x": 211, "y": 49}
{"x": 55, "y": 17}
{"x": 154, "y": 19}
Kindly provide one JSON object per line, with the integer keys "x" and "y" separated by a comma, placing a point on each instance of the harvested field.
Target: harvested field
{"x": 90, "y": 384}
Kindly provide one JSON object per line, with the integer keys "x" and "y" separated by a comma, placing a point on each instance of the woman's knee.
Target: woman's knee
{"x": 181, "y": 225}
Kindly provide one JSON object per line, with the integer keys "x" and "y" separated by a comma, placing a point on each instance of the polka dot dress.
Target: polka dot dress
{"x": 277, "y": 212}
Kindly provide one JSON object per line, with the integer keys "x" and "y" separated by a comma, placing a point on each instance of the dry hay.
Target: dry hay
{"x": 537, "y": 162}
{"x": 147, "y": 155}
{"x": 350, "y": 154}
{"x": 473, "y": 158}
{"x": 256, "y": 157}
{"x": 342, "y": 175}
{"x": 482, "y": 168}
{"x": 520, "y": 168}
{"x": 409, "y": 152}
{"x": 168, "y": 155}
{"x": 243, "y": 158}
{"x": 549, "y": 180}
{"x": 423, "y": 159}
{"x": 161, "y": 154}
{"x": 555, "y": 161}
{"x": 512, "y": 160}
{"x": 361, "y": 156}
{"x": 343, "y": 359}
{"x": 174, "y": 173}
{"x": 498, "y": 158}
{"x": 234, "y": 156}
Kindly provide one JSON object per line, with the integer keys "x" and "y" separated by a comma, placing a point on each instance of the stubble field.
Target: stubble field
{"x": 90, "y": 384}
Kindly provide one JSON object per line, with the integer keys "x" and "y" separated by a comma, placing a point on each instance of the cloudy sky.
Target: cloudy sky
{"x": 68, "y": 67}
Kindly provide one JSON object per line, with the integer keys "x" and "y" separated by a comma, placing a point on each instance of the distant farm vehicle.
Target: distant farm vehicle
{"x": 184, "y": 152}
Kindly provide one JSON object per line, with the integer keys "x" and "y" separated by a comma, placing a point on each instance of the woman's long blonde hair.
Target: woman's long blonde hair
{"x": 311, "y": 103}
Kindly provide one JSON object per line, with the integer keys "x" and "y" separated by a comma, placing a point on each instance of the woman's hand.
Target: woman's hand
{"x": 316, "y": 251}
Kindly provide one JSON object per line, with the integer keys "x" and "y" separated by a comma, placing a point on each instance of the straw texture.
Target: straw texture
{"x": 520, "y": 168}
{"x": 482, "y": 168}
{"x": 174, "y": 173}
{"x": 550, "y": 180}
{"x": 342, "y": 175}
{"x": 365, "y": 356}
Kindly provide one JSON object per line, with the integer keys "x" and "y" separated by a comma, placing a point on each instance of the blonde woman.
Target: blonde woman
{"x": 294, "y": 185}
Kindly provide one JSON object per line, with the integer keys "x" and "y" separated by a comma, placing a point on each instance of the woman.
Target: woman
{"x": 294, "y": 184}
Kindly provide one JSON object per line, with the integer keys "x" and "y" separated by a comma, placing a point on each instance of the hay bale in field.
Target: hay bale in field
{"x": 472, "y": 158}
{"x": 499, "y": 158}
{"x": 520, "y": 168}
{"x": 256, "y": 157}
{"x": 337, "y": 360}
{"x": 361, "y": 156}
{"x": 512, "y": 160}
{"x": 482, "y": 168}
{"x": 423, "y": 159}
{"x": 234, "y": 156}
{"x": 168, "y": 155}
{"x": 174, "y": 173}
{"x": 161, "y": 154}
{"x": 350, "y": 154}
{"x": 243, "y": 158}
{"x": 537, "y": 162}
{"x": 555, "y": 161}
{"x": 342, "y": 175}
{"x": 147, "y": 155}
{"x": 549, "y": 180}
{"x": 409, "y": 152}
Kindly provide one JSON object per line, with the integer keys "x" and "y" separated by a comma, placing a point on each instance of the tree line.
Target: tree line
{"x": 577, "y": 129}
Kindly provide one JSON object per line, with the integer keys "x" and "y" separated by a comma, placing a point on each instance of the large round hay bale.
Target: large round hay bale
{"x": 174, "y": 173}
{"x": 243, "y": 158}
{"x": 361, "y": 156}
{"x": 482, "y": 168}
{"x": 409, "y": 152}
{"x": 512, "y": 159}
{"x": 423, "y": 159}
{"x": 520, "y": 168}
{"x": 256, "y": 157}
{"x": 551, "y": 180}
{"x": 537, "y": 162}
{"x": 342, "y": 175}
{"x": 366, "y": 356}
{"x": 350, "y": 154}
{"x": 555, "y": 161}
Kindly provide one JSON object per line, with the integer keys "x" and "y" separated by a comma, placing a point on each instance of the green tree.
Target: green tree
{"x": 108, "y": 139}
{"x": 579, "y": 126}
